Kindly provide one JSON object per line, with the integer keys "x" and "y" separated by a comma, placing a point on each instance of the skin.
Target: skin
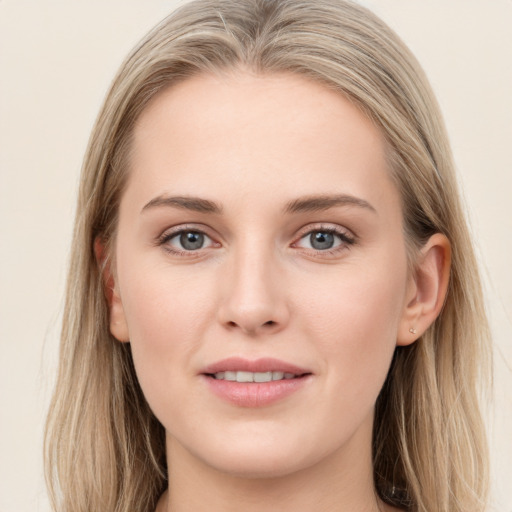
{"x": 257, "y": 288}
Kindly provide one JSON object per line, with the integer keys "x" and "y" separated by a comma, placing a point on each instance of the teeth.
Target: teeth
{"x": 244, "y": 377}
{"x": 263, "y": 377}
{"x": 253, "y": 376}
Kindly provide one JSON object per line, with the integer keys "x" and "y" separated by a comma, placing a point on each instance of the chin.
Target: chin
{"x": 266, "y": 466}
{"x": 254, "y": 458}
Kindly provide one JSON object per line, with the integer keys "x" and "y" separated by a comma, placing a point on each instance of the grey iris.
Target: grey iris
{"x": 320, "y": 240}
{"x": 191, "y": 240}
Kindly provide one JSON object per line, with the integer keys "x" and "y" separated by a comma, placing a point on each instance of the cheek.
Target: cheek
{"x": 355, "y": 324}
{"x": 163, "y": 301}
{"x": 167, "y": 314}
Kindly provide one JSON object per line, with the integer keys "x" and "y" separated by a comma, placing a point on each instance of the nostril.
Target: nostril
{"x": 232, "y": 324}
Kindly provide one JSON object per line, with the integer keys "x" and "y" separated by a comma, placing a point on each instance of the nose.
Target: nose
{"x": 254, "y": 294}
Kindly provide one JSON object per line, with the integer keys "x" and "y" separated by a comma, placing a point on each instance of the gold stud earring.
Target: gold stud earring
{"x": 412, "y": 330}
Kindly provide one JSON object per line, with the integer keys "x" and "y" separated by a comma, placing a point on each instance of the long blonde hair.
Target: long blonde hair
{"x": 105, "y": 450}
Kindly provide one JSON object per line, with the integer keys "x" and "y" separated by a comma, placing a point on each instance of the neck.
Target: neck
{"x": 341, "y": 482}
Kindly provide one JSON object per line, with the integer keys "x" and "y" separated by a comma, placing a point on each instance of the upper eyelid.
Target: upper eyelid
{"x": 180, "y": 228}
{"x": 332, "y": 228}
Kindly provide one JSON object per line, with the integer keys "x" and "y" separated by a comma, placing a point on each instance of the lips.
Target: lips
{"x": 263, "y": 365}
{"x": 256, "y": 383}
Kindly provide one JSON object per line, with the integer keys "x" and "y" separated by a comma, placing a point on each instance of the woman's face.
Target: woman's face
{"x": 260, "y": 235}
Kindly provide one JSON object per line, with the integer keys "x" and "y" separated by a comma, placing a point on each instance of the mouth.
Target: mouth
{"x": 267, "y": 369}
{"x": 244, "y": 376}
{"x": 258, "y": 383}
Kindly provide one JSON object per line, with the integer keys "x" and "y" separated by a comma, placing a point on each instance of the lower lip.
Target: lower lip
{"x": 255, "y": 394}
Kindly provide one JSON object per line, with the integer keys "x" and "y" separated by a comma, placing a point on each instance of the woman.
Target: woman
{"x": 273, "y": 300}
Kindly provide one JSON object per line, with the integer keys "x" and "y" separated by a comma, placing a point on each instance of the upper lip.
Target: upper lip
{"x": 265, "y": 364}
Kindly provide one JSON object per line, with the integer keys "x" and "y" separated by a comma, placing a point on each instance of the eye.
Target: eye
{"x": 321, "y": 240}
{"x": 186, "y": 240}
{"x": 325, "y": 239}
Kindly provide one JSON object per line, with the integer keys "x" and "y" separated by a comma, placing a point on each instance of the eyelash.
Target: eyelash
{"x": 164, "y": 239}
{"x": 346, "y": 240}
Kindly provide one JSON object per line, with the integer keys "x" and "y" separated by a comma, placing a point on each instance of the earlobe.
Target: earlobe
{"x": 117, "y": 319}
{"x": 118, "y": 325}
{"x": 427, "y": 289}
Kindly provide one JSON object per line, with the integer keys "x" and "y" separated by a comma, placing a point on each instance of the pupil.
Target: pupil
{"x": 191, "y": 240}
{"x": 321, "y": 240}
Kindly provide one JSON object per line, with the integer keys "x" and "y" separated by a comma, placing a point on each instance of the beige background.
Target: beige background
{"x": 56, "y": 61}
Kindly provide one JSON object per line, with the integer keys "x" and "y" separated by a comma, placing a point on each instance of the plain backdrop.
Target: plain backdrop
{"x": 57, "y": 59}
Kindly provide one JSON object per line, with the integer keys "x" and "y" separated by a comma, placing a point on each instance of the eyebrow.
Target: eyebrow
{"x": 195, "y": 204}
{"x": 324, "y": 202}
{"x": 300, "y": 205}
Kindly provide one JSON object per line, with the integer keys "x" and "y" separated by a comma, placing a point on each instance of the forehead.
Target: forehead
{"x": 261, "y": 136}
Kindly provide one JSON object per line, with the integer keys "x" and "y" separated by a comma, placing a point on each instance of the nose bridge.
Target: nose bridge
{"x": 253, "y": 298}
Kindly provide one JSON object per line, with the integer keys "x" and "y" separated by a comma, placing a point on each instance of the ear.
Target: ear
{"x": 118, "y": 325}
{"x": 426, "y": 290}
